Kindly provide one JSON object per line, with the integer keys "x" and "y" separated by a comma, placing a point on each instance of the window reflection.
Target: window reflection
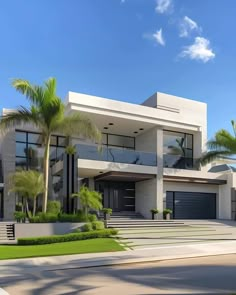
{"x": 178, "y": 150}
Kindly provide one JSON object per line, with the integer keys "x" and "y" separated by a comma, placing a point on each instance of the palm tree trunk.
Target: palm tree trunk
{"x": 46, "y": 172}
{"x": 34, "y": 206}
{"x": 27, "y": 207}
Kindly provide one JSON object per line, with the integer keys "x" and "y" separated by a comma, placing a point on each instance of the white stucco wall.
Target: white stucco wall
{"x": 146, "y": 197}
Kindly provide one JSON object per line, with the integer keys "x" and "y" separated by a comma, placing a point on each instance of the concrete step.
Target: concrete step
{"x": 6, "y": 231}
{"x": 128, "y": 226}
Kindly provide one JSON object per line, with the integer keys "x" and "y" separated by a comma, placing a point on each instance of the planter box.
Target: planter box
{"x": 27, "y": 230}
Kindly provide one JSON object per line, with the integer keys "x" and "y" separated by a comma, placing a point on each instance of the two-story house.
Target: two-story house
{"x": 149, "y": 159}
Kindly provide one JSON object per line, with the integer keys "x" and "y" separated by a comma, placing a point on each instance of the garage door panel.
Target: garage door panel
{"x": 189, "y": 205}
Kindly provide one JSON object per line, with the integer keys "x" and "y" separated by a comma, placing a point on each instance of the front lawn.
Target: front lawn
{"x": 76, "y": 247}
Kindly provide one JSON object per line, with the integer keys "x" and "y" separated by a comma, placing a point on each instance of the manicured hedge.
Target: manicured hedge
{"x": 105, "y": 233}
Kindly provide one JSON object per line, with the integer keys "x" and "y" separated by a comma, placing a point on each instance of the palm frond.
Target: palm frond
{"x": 214, "y": 155}
{"x": 19, "y": 117}
{"x": 79, "y": 125}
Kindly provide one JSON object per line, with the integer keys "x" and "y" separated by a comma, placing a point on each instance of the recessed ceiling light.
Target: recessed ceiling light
{"x": 141, "y": 129}
{"x": 105, "y": 128}
{"x": 135, "y": 131}
{"x": 111, "y": 124}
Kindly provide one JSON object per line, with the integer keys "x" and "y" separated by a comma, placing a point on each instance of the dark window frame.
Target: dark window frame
{"x": 184, "y": 133}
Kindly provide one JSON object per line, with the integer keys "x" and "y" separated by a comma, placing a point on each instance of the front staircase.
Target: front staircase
{"x": 7, "y": 232}
{"x": 127, "y": 220}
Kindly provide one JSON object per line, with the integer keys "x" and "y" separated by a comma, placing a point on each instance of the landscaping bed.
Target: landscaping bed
{"x": 94, "y": 234}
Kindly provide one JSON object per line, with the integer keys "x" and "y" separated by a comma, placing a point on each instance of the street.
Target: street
{"x": 208, "y": 275}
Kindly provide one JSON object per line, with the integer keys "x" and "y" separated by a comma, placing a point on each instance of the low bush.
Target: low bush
{"x": 19, "y": 216}
{"x": 92, "y": 217}
{"x": 87, "y": 227}
{"x": 97, "y": 225}
{"x": 105, "y": 233}
{"x": 69, "y": 217}
{"x": 54, "y": 207}
{"x": 44, "y": 218}
{"x": 34, "y": 219}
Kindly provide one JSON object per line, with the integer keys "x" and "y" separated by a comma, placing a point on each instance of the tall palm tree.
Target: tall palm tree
{"x": 29, "y": 184}
{"x": 89, "y": 199}
{"x": 222, "y": 146}
{"x": 46, "y": 112}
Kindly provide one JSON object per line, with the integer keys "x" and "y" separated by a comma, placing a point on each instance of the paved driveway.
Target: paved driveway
{"x": 189, "y": 232}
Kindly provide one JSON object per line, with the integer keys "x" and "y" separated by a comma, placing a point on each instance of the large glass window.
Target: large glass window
{"x": 121, "y": 141}
{"x": 176, "y": 143}
{"x": 178, "y": 150}
{"x": 29, "y": 150}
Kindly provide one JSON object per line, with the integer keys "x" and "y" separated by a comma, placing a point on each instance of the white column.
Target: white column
{"x": 159, "y": 178}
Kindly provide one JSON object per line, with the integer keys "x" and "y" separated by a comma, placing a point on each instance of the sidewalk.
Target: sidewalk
{"x": 31, "y": 265}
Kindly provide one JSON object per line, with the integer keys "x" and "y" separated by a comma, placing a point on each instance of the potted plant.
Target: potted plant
{"x": 166, "y": 213}
{"x": 106, "y": 213}
{"x": 154, "y": 213}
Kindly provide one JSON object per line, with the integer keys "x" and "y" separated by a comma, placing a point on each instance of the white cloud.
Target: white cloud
{"x": 164, "y": 6}
{"x": 158, "y": 37}
{"x": 188, "y": 25}
{"x": 199, "y": 50}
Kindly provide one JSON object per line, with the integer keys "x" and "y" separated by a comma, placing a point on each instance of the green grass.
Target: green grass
{"x": 76, "y": 247}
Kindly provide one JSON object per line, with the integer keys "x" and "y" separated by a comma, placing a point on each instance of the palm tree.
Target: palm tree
{"x": 89, "y": 199}
{"x": 29, "y": 184}
{"x": 46, "y": 113}
{"x": 222, "y": 146}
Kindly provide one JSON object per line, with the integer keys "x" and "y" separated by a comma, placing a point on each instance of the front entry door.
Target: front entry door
{"x": 120, "y": 196}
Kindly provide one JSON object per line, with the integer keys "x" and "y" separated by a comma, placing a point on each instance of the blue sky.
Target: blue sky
{"x": 123, "y": 49}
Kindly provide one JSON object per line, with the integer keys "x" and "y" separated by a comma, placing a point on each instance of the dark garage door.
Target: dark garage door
{"x": 189, "y": 205}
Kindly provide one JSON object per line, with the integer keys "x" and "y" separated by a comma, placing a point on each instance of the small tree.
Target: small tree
{"x": 29, "y": 184}
{"x": 89, "y": 199}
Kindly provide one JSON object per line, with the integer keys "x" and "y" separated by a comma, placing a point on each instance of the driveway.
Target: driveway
{"x": 186, "y": 232}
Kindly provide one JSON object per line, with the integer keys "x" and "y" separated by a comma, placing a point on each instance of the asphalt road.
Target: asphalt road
{"x": 209, "y": 275}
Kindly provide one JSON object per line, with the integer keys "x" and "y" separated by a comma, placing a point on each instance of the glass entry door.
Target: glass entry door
{"x": 120, "y": 196}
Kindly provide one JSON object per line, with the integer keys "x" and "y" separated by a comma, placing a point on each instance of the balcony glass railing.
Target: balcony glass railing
{"x": 117, "y": 155}
{"x": 179, "y": 162}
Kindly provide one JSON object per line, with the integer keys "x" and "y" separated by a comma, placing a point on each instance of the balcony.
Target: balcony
{"x": 118, "y": 155}
{"x": 179, "y": 162}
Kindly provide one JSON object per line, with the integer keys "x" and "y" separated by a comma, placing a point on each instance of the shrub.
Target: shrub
{"x": 34, "y": 219}
{"x": 87, "y": 227}
{"x": 54, "y": 207}
{"x": 92, "y": 217}
{"x": 97, "y": 225}
{"x": 44, "y": 218}
{"x": 107, "y": 210}
{"x": 70, "y": 218}
{"x": 154, "y": 211}
{"x": 105, "y": 233}
{"x": 167, "y": 211}
{"x": 19, "y": 216}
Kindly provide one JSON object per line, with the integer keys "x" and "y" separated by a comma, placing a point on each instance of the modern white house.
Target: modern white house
{"x": 149, "y": 159}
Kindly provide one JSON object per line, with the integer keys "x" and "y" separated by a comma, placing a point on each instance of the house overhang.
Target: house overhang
{"x": 124, "y": 176}
{"x": 194, "y": 180}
